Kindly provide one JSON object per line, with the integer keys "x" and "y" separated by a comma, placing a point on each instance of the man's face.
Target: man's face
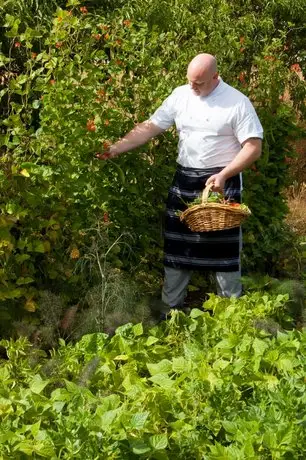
{"x": 202, "y": 84}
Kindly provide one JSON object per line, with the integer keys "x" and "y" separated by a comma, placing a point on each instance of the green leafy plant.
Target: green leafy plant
{"x": 213, "y": 384}
{"x": 293, "y": 288}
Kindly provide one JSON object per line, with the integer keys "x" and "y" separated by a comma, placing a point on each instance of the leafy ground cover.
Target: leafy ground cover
{"x": 225, "y": 383}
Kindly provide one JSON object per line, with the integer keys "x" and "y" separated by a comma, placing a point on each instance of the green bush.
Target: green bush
{"x": 84, "y": 77}
{"x": 221, "y": 386}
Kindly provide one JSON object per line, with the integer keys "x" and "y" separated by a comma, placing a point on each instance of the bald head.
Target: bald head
{"x": 202, "y": 74}
{"x": 203, "y": 63}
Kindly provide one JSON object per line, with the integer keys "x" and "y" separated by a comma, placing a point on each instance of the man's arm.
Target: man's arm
{"x": 250, "y": 152}
{"x": 139, "y": 135}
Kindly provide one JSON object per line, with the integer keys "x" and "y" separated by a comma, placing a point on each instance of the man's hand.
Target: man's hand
{"x": 218, "y": 182}
{"x": 250, "y": 152}
{"x": 103, "y": 156}
{"x": 107, "y": 154}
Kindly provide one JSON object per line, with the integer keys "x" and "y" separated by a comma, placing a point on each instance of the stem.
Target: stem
{"x": 103, "y": 289}
{"x": 111, "y": 247}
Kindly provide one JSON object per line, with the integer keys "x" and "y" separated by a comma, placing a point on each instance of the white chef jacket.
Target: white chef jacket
{"x": 211, "y": 128}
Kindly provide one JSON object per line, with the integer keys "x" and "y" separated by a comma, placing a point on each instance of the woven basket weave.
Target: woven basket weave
{"x": 207, "y": 217}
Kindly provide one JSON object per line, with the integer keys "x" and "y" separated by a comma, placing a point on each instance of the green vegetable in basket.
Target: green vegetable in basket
{"x": 215, "y": 197}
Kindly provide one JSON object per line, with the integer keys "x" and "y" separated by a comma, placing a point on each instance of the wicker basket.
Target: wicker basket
{"x": 207, "y": 217}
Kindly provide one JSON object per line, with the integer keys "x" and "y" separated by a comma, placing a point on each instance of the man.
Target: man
{"x": 219, "y": 136}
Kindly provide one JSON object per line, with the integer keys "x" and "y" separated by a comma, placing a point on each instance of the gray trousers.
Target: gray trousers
{"x": 176, "y": 283}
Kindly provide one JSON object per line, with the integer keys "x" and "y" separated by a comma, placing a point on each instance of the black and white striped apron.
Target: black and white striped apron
{"x": 217, "y": 251}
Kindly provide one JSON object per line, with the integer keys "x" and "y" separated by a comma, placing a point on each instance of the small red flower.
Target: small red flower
{"x": 84, "y": 10}
{"x": 97, "y": 36}
{"x": 90, "y": 125}
{"x": 242, "y": 77}
{"x": 52, "y": 82}
{"x": 17, "y": 44}
{"x": 58, "y": 45}
{"x": 269, "y": 58}
{"x": 101, "y": 92}
{"x": 106, "y": 36}
{"x": 33, "y": 55}
{"x": 103, "y": 27}
{"x": 127, "y": 22}
{"x": 106, "y": 217}
{"x": 295, "y": 68}
{"x": 241, "y": 40}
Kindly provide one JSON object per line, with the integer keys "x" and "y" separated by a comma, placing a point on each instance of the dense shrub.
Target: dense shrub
{"x": 83, "y": 77}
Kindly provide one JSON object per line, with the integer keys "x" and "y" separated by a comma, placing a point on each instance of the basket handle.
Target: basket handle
{"x": 206, "y": 191}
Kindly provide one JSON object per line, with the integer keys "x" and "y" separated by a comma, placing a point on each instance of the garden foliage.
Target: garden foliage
{"x": 228, "y": 385}
{"x": 78, "y": 76}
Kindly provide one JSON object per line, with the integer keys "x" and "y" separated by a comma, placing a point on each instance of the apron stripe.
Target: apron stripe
{"x": 215, "y": 251}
